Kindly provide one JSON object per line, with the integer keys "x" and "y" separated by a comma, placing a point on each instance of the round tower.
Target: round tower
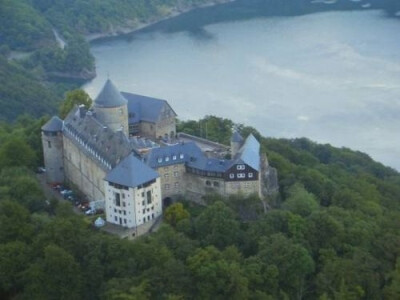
{"x": 52, "y": 141}
{"x": 111, "y": 108}
{"x": 236, "y": 143}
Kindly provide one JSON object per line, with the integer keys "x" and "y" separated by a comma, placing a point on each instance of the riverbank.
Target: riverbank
{"x": 136, "y": 27}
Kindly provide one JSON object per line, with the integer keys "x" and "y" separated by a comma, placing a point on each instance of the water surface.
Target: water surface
{"x": 333, "y": 77}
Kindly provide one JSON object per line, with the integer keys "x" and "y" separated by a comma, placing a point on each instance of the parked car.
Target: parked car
{"x": 90, "y": 211}
{"x": 40, "y": 170}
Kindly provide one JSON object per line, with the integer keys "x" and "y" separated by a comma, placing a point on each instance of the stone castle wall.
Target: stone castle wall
{"x": 83, "y": 172}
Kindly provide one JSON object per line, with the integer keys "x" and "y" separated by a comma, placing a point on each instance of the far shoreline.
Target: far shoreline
{"x": 123, "y": 31}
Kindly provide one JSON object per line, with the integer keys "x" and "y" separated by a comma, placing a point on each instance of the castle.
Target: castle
{"x": 125, "y": 156}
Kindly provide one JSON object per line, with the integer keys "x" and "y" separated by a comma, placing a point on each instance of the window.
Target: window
{"x": 116, "y": 219}
{"x": 231, "y": 176}
{"x": 124, "y": 212}
{"x": 241, "y": 175}
{"x": 176, "y": 184}
{"x": 144, "y": 220}
{"x": 124, "y": 221}
{"x": 143, "y": 201}
{"x": 216, "y": 183}
{"x": 115, "y": 210}
{"x": 142, "y": 194}
{"x": 159, "y": 160}
{"x": 240, "y": 167}
{"x": 166, "y": 186}
{"x": 117, "y": 199}
{"x": 49, "y": 144}
{"x": 166, "y": 175}
{"x": 144, "y": 211}
{"x": 250, "y": 175}
{"x": 208, "y": 182}
{"x": 176, "y": 174}
{"x": 181, "y": 156}
{"x": 174, "y": 157}
{"x": 123, "y": 196}
{"x": 123, "y": 204}
{"x": 148, "y": 197}
{"x": 167, "y": 158}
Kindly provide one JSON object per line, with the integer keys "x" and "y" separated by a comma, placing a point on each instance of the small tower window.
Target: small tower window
{"x": 49, "y": 144}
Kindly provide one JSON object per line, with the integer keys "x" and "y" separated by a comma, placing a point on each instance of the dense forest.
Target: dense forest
{"x": 331, "y": 233}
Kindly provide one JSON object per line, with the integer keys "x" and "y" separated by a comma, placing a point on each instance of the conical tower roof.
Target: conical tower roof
{"x": 110, "y": 96}
{"x": 55, "y": 124}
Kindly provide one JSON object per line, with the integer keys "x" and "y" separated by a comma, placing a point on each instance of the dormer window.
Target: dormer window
{"x": 250, "y": 175}
{"x": 231, "y": 176}
{"x": 167, "y": 158}
{"x": 181, "y": 156}
{"x": 174, "y": 157}
{"x": 159, "y": 160}
{"x": 240, "y": 167}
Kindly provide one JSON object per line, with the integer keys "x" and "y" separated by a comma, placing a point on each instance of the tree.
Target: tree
{"x": 176, "y": 213}
{"x": 215, "y": 277}
{"x": 16, "y": 152}
{"x": 56, "y": 276}
{"x": 72, "y": 98}
{"x": 293, "y": 262}
{"x": 300, "y": 201}
{"x": 14, "y": 259}
{"x": 217, "y": 226}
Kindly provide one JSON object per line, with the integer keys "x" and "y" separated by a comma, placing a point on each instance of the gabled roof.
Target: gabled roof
{"x": 143, "y": 108}
{"x": 249, "y": 153}
{"x": 236, "y": 137}
{"x": 55, "y": 124}
{"x": 109, "y": 96}
{"x": 131, "y": 172}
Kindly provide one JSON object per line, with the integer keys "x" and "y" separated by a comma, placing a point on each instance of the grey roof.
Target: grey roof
{"x": 249, "y": 153}
{"x": 105, "y": 146}
{"x": 236, "y": 137}
{"x": 187, "y": 153}
{"x": 140, "y": 143}
{"x": 143, "y": 108}
{"x": 53, "y": 125}
{"x": 131, "y": 172}
{"x": 171, "y": 155}
{"x": 109, "y": 96}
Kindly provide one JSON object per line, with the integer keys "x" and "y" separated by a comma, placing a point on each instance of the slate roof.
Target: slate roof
{"x": 236, "y": 137}
{"x": 143, "y": 108}
{"x": 105, "y": 146}
{"x": 187, "y": 153}
{"x": 109, "y": 96}
{"x": 249, "y": 153}
{"x": 131, "y": 172}
{"x": 171, "y": 155}
{"x": 55, "y": 124}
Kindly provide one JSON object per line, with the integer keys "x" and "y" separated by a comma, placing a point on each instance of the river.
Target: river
{"x": 333, "y": 77}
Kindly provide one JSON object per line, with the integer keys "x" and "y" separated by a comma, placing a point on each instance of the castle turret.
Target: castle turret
{"x": 111, "y": 108}
{"x": 52, "y": 140}
{"x": 236, "y": 143}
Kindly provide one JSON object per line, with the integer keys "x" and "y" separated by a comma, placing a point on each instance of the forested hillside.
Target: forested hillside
{"x": 28, "y": 26}
{"x": 332, "y": 233}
